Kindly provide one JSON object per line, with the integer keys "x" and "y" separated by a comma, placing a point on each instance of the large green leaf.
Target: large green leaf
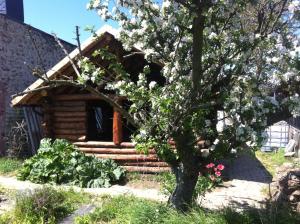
{"x": 60, "y": 162}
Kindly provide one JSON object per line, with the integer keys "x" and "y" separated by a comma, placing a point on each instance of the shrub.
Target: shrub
{"x": 8, "y": 165}
{"x": 44, "y": 205}
{"x": 61, "y": 163}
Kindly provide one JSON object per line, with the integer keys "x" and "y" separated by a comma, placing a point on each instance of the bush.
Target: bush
{"x": 44, "y": 205}
{"x": 61, "y": 163}
{"x": 8, "y": 165}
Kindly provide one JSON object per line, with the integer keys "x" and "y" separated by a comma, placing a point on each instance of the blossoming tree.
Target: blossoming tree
{"x": 231, "y": 68}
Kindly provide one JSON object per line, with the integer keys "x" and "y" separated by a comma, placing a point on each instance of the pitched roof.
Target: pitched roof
{"x": 105, "y": 33}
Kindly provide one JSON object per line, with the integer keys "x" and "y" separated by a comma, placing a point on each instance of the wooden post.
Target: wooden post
{"x": 117, "y": 128}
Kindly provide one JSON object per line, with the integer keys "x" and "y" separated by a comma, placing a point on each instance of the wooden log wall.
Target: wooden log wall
{"x": 67, "y": 120}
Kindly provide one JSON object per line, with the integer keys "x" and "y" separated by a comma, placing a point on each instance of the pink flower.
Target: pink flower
{"x": 220, "y": 167}
{"x": 218, "y": 173}
{"x": 211, "y": 165}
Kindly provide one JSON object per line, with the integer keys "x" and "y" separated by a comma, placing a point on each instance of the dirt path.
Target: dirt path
{"x": 247, "y": 181}
{"x": 247, "y": 186}
{"x": 153, "y": 194}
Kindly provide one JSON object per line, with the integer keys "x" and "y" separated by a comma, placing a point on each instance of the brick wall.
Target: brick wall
{"x": 16, "y": 49}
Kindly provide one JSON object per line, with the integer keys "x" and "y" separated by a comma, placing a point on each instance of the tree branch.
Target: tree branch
{"x": 67, "y": 54}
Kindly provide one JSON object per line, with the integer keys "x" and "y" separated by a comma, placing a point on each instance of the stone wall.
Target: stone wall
{"x": 22, "y": 48}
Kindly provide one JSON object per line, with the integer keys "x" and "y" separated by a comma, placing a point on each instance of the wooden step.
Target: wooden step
{"x": 71, "y": 137}
{"x": 112, "y": 150}
{"x": 123, "y": 157}
{"x": 145, "y": 169}
{"x": 148, "y": 164}
{"x": 99, "y": 144}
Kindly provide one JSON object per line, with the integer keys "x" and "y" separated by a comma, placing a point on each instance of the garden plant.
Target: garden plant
{"x": 60, "y": 162}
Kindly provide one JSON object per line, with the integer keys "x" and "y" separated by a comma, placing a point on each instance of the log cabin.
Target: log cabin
{"x": 85, "y": 119}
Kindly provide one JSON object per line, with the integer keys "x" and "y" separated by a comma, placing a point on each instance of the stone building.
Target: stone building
{"x": 22, "y": 47}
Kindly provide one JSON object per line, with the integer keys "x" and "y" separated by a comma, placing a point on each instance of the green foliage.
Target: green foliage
{"x": 61, "y": 163}
{"x": 44, "y": 205}
{"x": 8, "y": 165}
{"x": 138, "y": 211}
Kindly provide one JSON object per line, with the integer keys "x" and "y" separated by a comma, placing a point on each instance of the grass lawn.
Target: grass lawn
{"x": 44, "y": 205}
{"x": 9, "y": 166}
{"x": 272, "y": 160}
{"x": 126, "y": 209}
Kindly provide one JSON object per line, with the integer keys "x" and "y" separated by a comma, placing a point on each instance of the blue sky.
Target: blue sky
{"x": 61, "y": 17}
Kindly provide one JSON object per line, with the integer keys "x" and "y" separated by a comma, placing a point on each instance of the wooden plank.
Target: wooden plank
{"x": 83, "y": 97}
{"x": 69, "y": 131}
{"x": 70, "y": 125}
{"x": 69, "y": 119}
{"x": 112, "y": 151}
{"x": 69, "y": 114}
{"x": 69, "y": 109}
{"x": 127, "y": 145}
{"x": 70, "y": 103}
{"x": 149, "y": 164}
{"x": 125, "y": 157}
{"x": 75, "y": 97}
{"x": 71, "y": 137}
{"x": 146, "y": 169}
{"x": 99, "y": 144}
{"x": 117, "y": 128}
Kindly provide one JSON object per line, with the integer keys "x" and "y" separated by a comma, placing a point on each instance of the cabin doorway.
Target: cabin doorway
{"x": 100, "y": 121}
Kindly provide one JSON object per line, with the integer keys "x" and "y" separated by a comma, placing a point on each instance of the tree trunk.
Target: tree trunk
{"x": 186, "y": 181}
{"x": 186, "y": 172}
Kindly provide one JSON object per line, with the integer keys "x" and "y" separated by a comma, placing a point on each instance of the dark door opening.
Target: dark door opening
{"x": 100, "y": 121}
